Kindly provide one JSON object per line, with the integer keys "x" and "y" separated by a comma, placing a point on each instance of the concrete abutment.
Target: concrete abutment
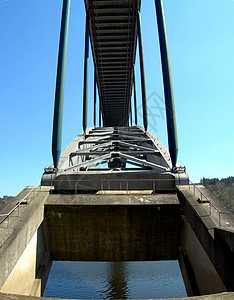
{"x": 116, "y": 228}
{"x": 206, "y": 250}
{"x": 24, "y": 260}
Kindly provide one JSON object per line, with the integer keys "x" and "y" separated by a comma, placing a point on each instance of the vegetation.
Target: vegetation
{"x": 4, "y": 200}
{"x": 222, "y": 189}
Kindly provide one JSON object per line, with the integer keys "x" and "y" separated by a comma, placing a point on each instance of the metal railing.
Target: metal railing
{"x": 124, "y": 184}
{"x": 216, "y": 209}
{"x": 117, "y": 184}
{"x": 6, "y": 216}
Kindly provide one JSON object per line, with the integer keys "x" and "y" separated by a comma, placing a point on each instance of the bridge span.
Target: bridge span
{"x": 115, "y": 193}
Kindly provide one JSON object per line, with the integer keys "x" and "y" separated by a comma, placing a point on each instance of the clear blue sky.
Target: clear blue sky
{"x": 201, "y": 47}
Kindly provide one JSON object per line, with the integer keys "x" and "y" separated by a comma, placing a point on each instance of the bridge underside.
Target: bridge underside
{"x": 113, "y": 227}
{"x": 115, "y": 158}
{"x": 113, "y": 34}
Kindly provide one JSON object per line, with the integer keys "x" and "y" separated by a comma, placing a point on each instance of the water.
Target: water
{"x": 118, "y": 280}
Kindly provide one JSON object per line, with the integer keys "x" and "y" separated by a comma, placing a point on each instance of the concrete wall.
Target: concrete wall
{"x": 116, "y": 228}
{"x": 24, "y": 263}
{"x": 207, "y": 253}
{"x": 222, "y": 296}
{"x": 112, "y": 232}
{"x": 25, "y": 278}
{"x": 197, "y": 268}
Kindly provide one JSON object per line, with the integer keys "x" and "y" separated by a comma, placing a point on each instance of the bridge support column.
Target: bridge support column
{"x": 85, "y": 88}
{"x": 135, "y": 99}
{"x": 143, "y": 89}
{"x": 60, "y": 82}
{"x": 168, "y": 90}
{"x": 100, "y": 113}
{"x": 130, "y": 111}
{"x": 95, "y": 99}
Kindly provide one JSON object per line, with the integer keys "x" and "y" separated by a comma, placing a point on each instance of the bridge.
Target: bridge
{"x": 137, "y": 201}
{"x": 121, "y": 150}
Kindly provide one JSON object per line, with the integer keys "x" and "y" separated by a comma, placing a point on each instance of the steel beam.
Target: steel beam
{"x": 143, "y": 88}
{"x": 116, "y": 143}
{"x": 120, "y": 154}
{"x": 135, "y": 97}
{"x": 100, "y": 113}
{"x": 168, "y": 90}
{"x": 130, "y": 110}
{"x": 137, "y": 152}
{"x": 97, "y": 142}
{"x": 60, "y": 82}
{"x": 86, "y": 60}
{"x": 95, "y": 98}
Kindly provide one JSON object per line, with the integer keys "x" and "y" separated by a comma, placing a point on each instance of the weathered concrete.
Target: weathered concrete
{"x": 203, "y": 278}
{"x": 207, "y": 251}
{"x": 113, "y": 227}
{"x": 118, "y": 227}
{"x": 221, "y": 296}
{"x": 22, "y": 252}
{"x": 25, "y": 270}
{"x": 114, "y": 199}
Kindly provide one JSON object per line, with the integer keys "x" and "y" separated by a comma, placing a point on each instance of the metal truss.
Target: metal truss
{"x": 110, "y": 154}
{"x": 119, "y": 149}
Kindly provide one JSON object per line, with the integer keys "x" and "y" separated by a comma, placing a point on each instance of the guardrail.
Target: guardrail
{"x": 178, "y": 182}
{"x": 118, "y": 184}
{"x": 17, "y": 206}
{"x": 126, "y": 183}
{"x": 216, "y": 209}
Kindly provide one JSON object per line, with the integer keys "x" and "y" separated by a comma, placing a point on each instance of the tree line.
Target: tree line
{"x": 222, "y": 189}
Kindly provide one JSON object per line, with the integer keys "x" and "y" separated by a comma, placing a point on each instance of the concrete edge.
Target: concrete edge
{"x": 220, "y": 296}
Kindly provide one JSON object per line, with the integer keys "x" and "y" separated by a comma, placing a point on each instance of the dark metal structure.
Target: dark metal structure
{"x": 86, "y": 61}
{"x": 113, "y": 35}
{"x": 115, "y": 158}
{"x": 168, "y": 91}
{"x": 113, "y": 28}
{"x": 59, "y": 93}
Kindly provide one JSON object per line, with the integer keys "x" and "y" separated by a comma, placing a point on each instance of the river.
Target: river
{"x": 115, "y": 280}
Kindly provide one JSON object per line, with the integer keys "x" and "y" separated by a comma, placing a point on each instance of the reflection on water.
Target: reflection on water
{"x": 117, "y": 280}
{"x": 116, "y": 285}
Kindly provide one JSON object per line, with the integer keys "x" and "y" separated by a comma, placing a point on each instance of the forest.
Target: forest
{"x": 222, "y": 189}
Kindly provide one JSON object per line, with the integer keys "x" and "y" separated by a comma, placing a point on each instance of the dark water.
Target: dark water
{"x": 123, "y": 280}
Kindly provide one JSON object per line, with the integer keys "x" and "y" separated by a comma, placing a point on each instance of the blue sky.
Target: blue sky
{"x": 201, "y": 47}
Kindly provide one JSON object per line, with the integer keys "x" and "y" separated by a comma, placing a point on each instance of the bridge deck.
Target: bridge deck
{"x": 113, "y": 33}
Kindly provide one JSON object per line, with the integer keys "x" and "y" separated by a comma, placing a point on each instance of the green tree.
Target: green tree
{"x": 222, "y": 189}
